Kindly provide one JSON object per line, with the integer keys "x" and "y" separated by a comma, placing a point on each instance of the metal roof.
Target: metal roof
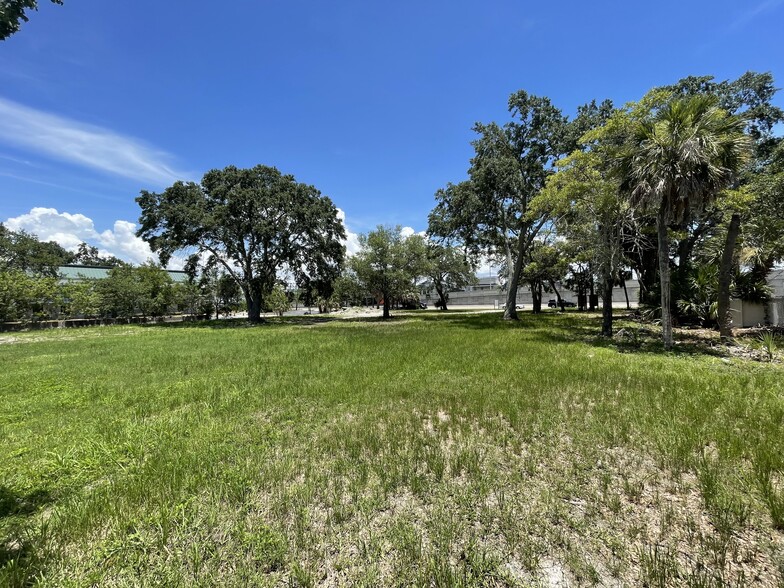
{"x": 92, "y": 272}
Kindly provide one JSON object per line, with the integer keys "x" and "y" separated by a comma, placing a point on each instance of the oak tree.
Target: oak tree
{"x": 255, "y": 223}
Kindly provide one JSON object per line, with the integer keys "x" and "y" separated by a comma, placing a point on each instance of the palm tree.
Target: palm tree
{"x": 681, "y": 158}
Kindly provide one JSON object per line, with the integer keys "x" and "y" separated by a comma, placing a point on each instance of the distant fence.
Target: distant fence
{"x": 88, "y": 322}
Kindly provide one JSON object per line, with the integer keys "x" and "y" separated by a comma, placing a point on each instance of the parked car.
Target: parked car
{"x": 553, "y": 303}
{"x": 413, "y": 305}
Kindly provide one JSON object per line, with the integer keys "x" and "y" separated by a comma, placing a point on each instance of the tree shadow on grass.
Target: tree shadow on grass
{"x": 575, "y": 327}
{"x": 16, "y": 504}
{"x": 20, "y": 562}
{"x": 636, "y": 338}
{"x": 548, "y": 326}
{"x": 241, "y": 323}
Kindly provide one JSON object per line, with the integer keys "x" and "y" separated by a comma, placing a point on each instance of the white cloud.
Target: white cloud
{"x": 123, "y": 243}
{"x": 69, "y": 230}
{"x": 352, "y": 238}
{"x": 406, "y": 232}
{"x": 87, "y": 145}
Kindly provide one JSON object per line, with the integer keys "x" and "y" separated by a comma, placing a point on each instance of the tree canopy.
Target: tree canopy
{"x": 448, "y": 268}
{"x": 14, "y": 12}
{"x": 680, "y": 159}
{"x": 254, "y": 222}
{"x": 22, "y": 251}
{"x": 388, "y": 263}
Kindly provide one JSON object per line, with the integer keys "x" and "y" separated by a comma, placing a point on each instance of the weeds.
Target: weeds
{"x": 769, "y": 344}
{"x": 658, "y": 567}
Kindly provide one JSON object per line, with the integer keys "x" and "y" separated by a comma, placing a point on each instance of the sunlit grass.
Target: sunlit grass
{"x": 429, "y": 450}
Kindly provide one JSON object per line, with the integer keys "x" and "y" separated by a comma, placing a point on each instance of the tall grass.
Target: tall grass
{"x": 430, "y": 450}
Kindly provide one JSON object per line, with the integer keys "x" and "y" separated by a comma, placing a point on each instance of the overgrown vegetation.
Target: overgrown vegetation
{"x": 433, "y": 449}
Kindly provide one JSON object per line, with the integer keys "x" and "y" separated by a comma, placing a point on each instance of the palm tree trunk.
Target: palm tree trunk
{"x": 725, "y": 278}
{"x": 664, "y": 275}
{"x": 607, "y": 308}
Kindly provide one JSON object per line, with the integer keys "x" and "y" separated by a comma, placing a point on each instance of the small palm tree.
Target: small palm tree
{"x": 681, "y": 158}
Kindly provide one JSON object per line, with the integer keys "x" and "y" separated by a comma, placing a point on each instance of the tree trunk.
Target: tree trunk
{"x": 510, "y": 310}
{"x": 254, "y": 308}
{"x": 536, "y": 297}
{"x": 725, "y": 277}
{"x": 591, "y": 292}
{"x": 386, "y": 307}
{"x": 664, "y": 275}
{"x": 625, "y": 292}
{"x": 442, "y": 298}
{"x": 607, "y": 309}
{"x": 558, "y": 296}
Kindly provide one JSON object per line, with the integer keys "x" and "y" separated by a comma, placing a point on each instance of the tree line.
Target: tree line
{"x": 683, "y": 188}
{"x": 32, "y": 289}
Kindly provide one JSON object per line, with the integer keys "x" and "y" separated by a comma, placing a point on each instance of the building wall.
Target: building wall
{"x": 497, "y": 298}
{"x": 776, "y": 305}
{"x": 745, "y": 314}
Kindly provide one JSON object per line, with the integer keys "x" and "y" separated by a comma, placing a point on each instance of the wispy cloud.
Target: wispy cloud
{"x": 17, "y": 160}
{"x": 754, "y": 12}
{"x": 83, "y": 144}
{"x": 62, "y": 186}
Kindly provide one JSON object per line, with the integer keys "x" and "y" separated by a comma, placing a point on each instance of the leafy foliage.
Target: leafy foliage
{"x": 127, "y": 291}
{"x": 388, "y": 263}
{"x": 277, "y": 301}
{"x": 253, "y": 222}
{"x": 679, "y": 159}
{"x": 89, "y": 255}
{"x": 25, "y": 297}
{"x": 13, "y": 13}
{"x": 702, "y": 304}
{"x": 491, "y": 212}
{"x": 448, "y": 269}
{"x": 22, "y": 251}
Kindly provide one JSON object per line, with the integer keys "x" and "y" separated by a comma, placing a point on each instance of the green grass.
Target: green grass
{"x": 431, "y": 450}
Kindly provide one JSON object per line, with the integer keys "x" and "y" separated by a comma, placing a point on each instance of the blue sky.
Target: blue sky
{"x": 371, "y": 102}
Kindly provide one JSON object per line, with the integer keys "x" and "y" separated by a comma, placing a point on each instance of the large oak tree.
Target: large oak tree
{"x": 254, "y": 222}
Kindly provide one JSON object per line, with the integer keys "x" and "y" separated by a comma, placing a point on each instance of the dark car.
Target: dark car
{"x": 552, "y": 303}
{"x": 413, "y": 305}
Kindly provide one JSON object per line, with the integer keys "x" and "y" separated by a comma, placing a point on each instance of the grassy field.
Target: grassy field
{"x": 430, "y": 450}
